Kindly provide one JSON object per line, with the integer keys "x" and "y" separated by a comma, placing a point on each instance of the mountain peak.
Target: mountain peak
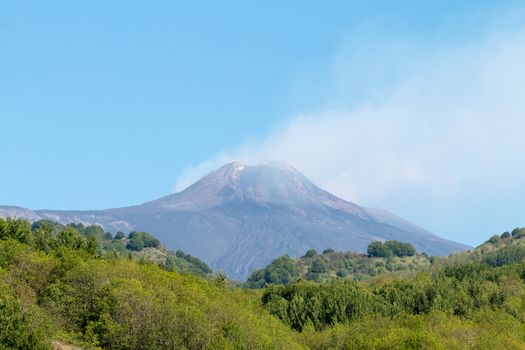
{"x": 272, "y": 183}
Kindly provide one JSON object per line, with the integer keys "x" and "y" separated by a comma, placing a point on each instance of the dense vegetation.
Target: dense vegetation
{"x": 60, "y": 287}
{"x": 63, "y": 283}
{"x": 141, "y": 245}
{"x": 387, "y": 249}
{"x": 401, "y": 259}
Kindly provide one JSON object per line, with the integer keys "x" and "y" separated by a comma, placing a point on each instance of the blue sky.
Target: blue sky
{"x": 388, "y": 104}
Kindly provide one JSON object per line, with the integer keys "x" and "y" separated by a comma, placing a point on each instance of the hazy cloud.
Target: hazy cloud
{"x": 451, "y": 123}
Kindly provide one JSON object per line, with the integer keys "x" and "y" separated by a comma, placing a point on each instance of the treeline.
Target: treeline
{"x": 47, "y": 235}
{"x": 387, "y": 249}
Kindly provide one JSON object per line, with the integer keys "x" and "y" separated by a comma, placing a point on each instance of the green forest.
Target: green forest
{"x": 66, "y": 286}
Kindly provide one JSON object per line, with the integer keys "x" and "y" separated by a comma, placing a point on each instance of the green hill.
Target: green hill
{"x": 59, "y": 288}
{"x": 56, "y": 285}
{"x": 141, "y": 245}
{"x": 331, "y": 264}
{"x": 499, "y": 250}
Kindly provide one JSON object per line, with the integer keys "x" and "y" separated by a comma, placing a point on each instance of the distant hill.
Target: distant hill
{"x": 505, "y": 249}
{"x": 329, "y": 264}
{"x": 141, "y": 246}
{"x": 239, "y": 218}
{"x": 499, "y": 250}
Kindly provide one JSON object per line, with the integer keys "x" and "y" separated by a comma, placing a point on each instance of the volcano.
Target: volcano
{"x": 241, "y": 217}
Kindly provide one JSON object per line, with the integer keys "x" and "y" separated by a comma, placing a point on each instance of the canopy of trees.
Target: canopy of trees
{"x": 61, "y": 284}
{"x": 390, "y": 248}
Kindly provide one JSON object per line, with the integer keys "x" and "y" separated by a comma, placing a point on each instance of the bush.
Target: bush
{"x": 16, "y": 331}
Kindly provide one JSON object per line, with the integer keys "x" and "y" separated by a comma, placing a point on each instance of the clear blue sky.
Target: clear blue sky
{"x": 106, "y": 103}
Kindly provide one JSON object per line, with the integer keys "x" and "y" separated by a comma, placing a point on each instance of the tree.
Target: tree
{"x": 18, "y": 229}
{"x": 377, "y": 249}
{"x": 505, "y": 256}
{"x": 95, "y": 231}
{"x": 141, "y": 240}
{"x": 518, "y": 232}
{"x": 494, "y": 239}
{"x": 16, "y": 330}
{"x": 319, "y": 266}
{"x": 135, "y": 243}
{"x": 42, "y": 238}
{"x": 310, "y": 253}
{"x": 280, "y": 271}
{"x": 108, "y": 236}
{"x": 120, "y": 235}
{"x": 70, "y": 238}
{"x": 400, "y": 249}
{"x": 91, "y": 245}
{"x": 505, "y": 235}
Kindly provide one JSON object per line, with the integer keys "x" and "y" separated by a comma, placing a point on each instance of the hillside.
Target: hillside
{"x": 504, "y": 249}
{"x": 240, "y": 217}
{"x": 60, "y": 289}
{"x": 142, "y": 246}
{"x": 320, "y": 267}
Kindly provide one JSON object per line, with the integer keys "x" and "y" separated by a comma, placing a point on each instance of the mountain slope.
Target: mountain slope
{"x": 239, "y": 218}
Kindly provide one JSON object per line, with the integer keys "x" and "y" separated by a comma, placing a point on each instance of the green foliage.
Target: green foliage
{"x": 141, "y": 240}
{"x": 390, "y": 248}
{"x": 319, "y": 266}
{"x": 56, "y": 285}
{"x": 303, "y": 303}
{"x": 332, "y": 264}
{"x": 505, "y": 256}
{"x": 16, "y": 331}
{"x": 505, "y": 235}
{"x": 116, "y": 246}
{"x": 400, "y": 249}
{"x": 518, "y": 232}
{"x": 463, "y": 290}
{"x": 280, "y": 271}
{"x": 194, "y": 261}
{"x": 377, "y": 249}
{"x": 494, "y": 239}
{"x": 18, "y": 229}
{"x": 84, "y": 299}
{"x": 120, "y": 235}
{"x": 310, "y": 253}
{"x": 135, "y": 243}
